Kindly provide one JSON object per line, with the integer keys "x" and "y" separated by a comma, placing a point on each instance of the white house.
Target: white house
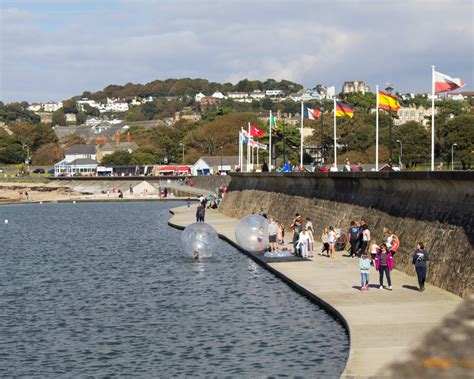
{"x": 199, "y": 96}
{"x": 35, "y": 107}
{"x": 237, "y": 95}
{"x": 218, "y": 95}
{"x": 52, "y": 106}
{"x": 116, "y": 105}
{"x": 78, "y": 160}
{"x": 92, "y": 103}
{"x": 274, "y": 92}
{"x": 209, "y": 165}
{"x": 257, "y": 95}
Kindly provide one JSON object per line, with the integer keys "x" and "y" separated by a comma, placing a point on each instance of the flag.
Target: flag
{"x": 444, "y": 83}
{"x": 256, "y": 132}
{"x": 344, "y": 110}
{"x": 257, "y": 144}
{"x": 311, "y": 113}
{"x": 388, "y": 102}
{"x": 244, "y": 136}
{"x": 273, "y": 123}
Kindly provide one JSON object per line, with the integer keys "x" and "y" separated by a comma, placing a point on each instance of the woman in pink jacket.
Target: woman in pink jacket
{"x": 384, "y": 264}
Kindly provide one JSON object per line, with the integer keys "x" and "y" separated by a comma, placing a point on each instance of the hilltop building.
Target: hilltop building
{"x": 355, "y": 86}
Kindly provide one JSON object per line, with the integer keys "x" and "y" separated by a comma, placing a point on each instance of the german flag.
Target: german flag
{"x": 388, "y": 102}
{"x": 344, "y": 110}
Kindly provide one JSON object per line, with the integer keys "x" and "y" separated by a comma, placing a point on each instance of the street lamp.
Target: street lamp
{"x": 401, "y": 153}
{"x": 221, "y": 160}
{"x": 452, "y": 156}
{"x": 182, "y": 144}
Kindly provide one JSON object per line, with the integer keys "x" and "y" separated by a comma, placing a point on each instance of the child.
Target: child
{"x": 281, "y": 235}
{"x": 364, "y": 264}
{"x": 373, "y": 248}
{"x": 325, "y": 241}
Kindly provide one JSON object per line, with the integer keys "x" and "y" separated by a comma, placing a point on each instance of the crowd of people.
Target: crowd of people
{"x": 357, "y": 241}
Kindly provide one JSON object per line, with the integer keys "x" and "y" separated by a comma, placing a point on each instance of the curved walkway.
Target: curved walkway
{"x": 384, "y": 326}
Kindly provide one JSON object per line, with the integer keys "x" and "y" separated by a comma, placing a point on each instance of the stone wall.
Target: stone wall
{"x": 436, "y": 208}
{"x": 210, "y": 182}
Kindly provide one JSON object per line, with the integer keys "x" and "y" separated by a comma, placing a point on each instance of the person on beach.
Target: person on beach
{"x": 384, "y": 264}
{"x": 373, "y": 248}
{"x": 281, "y": 235}
{"x": 303, "y": 242}
{"x": 364, "y": 264}
{"x": 325, "y": 241}
{"x": 272, "y": 234}
{"x": 332, "y": 238}
{"x": 420, "y": 257}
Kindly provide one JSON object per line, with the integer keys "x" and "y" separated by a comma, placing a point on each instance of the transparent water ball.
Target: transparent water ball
{"x": 199, "y": 240}
{"x": 251, "y": 233}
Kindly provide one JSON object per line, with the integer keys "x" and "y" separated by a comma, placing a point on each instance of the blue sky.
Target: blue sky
{"x": 55, "y": 49}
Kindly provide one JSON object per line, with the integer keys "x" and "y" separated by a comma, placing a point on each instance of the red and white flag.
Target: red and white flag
{"x": 444, "y": 83}
{"x": 256, "y": 132}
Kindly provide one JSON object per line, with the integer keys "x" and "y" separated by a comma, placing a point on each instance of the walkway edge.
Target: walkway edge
{"x": 303, "y": 291}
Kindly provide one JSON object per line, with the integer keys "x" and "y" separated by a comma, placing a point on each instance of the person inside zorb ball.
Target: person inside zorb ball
{"x": 199, "y": 240}
{"x": 251, "y": 233}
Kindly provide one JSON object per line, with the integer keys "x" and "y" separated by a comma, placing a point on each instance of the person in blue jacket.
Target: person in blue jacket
{"x": 420, "y": 257}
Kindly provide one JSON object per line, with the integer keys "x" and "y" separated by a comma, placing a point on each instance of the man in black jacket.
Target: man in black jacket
{"x": 420, "y": 257}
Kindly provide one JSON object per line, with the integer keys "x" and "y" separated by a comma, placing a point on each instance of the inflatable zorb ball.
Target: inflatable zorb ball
{"x": 251, "y": 233}
{"x": 199, "y": 240}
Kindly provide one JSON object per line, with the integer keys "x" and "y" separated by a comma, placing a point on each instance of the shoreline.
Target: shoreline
{"x": 331, "y": 284}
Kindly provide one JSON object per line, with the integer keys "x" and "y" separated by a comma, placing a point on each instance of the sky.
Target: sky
{"x": 56, "y": 49}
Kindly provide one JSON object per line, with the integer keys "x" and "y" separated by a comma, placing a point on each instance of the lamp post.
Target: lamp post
{"x": 401, "y": 153}
{"x": 221, "y": 161}
{"x": 182, "y": 144}
{"x": 452, "y": 156}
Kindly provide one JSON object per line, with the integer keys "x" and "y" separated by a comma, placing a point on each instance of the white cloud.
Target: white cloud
{"x": 51, "y": 54}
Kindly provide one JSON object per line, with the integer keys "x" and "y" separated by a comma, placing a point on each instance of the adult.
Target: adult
{"x": 272, "y": 234}
{"x": 200, "y": 213}
{"x": 332, "y": 237}
{"x": 365, "y": 239}
{"x": 420, "y": 257}
{"x": 333, "y": 168}
{"x": 384, "y": 264}
{"x": 325, "y": 241}
{"x": 264, "y": 167}
{"x": 297, "y": 228}
{"x": 310, "y": 228}
{"x": 303, "y": 242}
{"x": 130, "y": 189}
{"x": 347, "y": 166}
{"x": 262, "y": 213}
{"x": 353, "y": 235}
{"x": 286, "y": 167}
{"x": 394, "y": 245}
{"x": 281, "y": 235}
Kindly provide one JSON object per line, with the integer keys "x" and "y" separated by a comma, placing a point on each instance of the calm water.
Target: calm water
{"x": 103, "y": 290}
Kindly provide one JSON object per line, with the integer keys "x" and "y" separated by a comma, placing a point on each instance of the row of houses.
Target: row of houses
{"x": 84, "y": 160}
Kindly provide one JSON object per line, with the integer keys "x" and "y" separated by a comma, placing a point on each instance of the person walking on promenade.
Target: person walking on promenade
{"x": 200, "y": 213}
{"x": 272, "y": 234}
{"x": 365, "y": 239}
{"x": 395, "y": 245}
{"x": 373, "y": 248}
{"x": 325, "y": 241}
{"x": 420, "y": 257}
{"x": 353, "y": 235}
{"x": 384, "y": 264}
{"x": 297, "y": 228}
{"x": 364, "y": 264}
{"x": 281, "y": 235}
{"x": 309, "y": 227}
{"x": 303, "y": 242}
{"x": 332, "y": 242}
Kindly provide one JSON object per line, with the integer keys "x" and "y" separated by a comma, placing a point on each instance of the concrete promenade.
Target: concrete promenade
{"x": 384, "y": 326}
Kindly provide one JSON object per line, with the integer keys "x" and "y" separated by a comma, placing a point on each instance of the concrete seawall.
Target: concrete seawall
{"x": 436, "y": 208}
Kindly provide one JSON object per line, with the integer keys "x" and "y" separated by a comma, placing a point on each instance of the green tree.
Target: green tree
{"x": 48, "y": 154}
{"x": 150, "y": 110}
{"x": 122, "y": 157}
{"x": 458, "y": 130}
{"x": 415, "y": 141}
{"x": 59, "y": 118}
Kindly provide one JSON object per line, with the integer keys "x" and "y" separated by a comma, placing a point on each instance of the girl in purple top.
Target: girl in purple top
{"x": 384, "y": 264}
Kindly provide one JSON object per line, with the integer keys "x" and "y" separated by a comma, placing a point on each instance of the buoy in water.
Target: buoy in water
{"x": 74, "y": 202}
{"x": 6, "y": 221}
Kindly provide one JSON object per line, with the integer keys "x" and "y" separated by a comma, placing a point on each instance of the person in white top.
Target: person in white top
{"x": 373, "y": 248}
{"x": 365, "y": 239}
{"x": 333, "y": 168}
{"x": 310, "y": 229}
{"x": 332, "y": 242}
{"x": 325, "y": 241}
{"x": 304, "y": 241}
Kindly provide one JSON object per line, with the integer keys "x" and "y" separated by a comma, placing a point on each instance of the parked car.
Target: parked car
{"x": 38, "y": 171}
{"x": 51, "y": 172}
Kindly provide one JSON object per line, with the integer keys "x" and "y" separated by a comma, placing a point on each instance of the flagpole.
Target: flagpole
{"x": 240, "y": 150}
{"x": 257, "y": 156}
{"x": 248, "y": 150}
{"x": 377, "y": 129}
{"x": 301, "y": 142}
{"x": 432, "y": 118}
{"x": 335, "y": 149}
{"x": 270, "y": 143}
